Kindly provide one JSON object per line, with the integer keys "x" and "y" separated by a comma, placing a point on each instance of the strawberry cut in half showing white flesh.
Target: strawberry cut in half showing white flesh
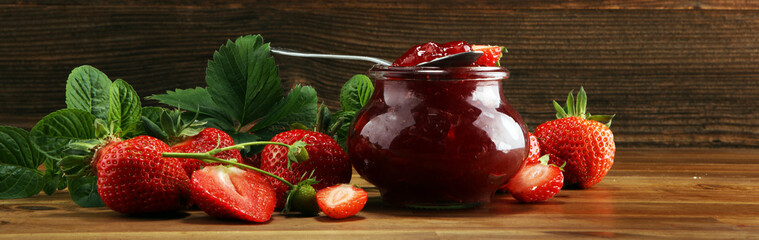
{"x": 341, "y": 201}
{"x": 536, "y": 182}
{"x": 230, "y": 192}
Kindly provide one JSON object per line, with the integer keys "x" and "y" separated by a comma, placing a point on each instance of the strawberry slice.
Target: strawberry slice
{"x": 341, "y": 201}
{"x": 230, "y": 192}
{"x": 533, "y": 156}
{"x": 536, "y": 182}
{"x": 491, "y": 57}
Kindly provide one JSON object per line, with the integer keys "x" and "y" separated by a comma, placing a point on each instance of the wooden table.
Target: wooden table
{"x": 680, "y": 193}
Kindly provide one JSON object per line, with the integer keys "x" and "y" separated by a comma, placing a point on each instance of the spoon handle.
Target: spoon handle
{"x": 289, "y": 52}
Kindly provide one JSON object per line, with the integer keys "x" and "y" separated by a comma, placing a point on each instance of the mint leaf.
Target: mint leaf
{"x": 243, "y": 80}
{"x": 84, "y": 192}
{"x": 125, "y": 108}
{"x": 19, "y": 182}
{"x": 87, "y": 89}
{"x": 19, "y": 160}
{"x": 356, "y": 93}
{"x": 53, "y": 134}
{"x": 298, "y": 107}
{"x": 194, "y": 100}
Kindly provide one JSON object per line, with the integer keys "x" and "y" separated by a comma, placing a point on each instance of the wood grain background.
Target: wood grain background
{"x": 676, "y": 73}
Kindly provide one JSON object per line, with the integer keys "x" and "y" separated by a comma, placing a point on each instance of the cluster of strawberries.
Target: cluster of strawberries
{"x": 577, "y": 150}
{"x": 135, "y": 177}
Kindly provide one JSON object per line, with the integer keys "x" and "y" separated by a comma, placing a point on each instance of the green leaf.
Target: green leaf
{"x": 193, "y": 99}
{"x": 243, "y": 80}
{"x": 16, "y": 148}
{"x": 87, "y": 88}
{"x": 570, "y": 104}
{"x": 582, "y": 103}
{"x": 53, "y": 134}
{"x": 342, "y": 131}
{"x": 356, "y": 93}
{"x": 125, "y": 108}
{"x": 19, "y": 182}
{"x": 19, "y": 160}
{"x": 151, "y": 116}
{"x": 84, "y": 192}
{"x": 299, "y": 106}
{"x": 239, "y": 138}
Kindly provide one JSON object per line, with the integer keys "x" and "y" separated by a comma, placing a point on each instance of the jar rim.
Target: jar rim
{"x": 438, "y": 73}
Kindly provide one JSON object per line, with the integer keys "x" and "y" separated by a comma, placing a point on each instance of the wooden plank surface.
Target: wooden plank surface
{"x": 676, "y": 73}
{"x": 675, "y": 193}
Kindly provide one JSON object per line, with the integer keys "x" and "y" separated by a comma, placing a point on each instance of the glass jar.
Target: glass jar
{"x": 437, "y": 138}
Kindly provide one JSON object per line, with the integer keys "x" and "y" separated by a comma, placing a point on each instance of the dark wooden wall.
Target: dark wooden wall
{"x": 676, "y": 73}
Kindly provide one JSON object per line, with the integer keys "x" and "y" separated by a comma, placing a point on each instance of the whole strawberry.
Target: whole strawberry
{"x": 579, "y": 140}
{"x": 207, "y": 140}
{"x": 532, "y": 157}
{"x": 134, "y": 178}
{"x": 327, "y": 162}
{"x": 536, "y": 182}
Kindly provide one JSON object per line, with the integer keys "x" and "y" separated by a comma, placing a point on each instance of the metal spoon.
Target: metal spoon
{"x": 455, "y": 60}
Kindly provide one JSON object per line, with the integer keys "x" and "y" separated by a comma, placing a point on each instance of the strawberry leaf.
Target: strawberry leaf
{"x": 299, "y": 106}
{"x": 87, "y": 89}
{"x": 193, "y": 100}
{"x": 84, "y": 192}
{"x": 19, "y": 182}
{"x": 356, "y": 93}
{"x": 243, "y": 80}
{"x": 19, "y": 159}
{"x": 53, "y": 134}
{"x": 125, "y": 108}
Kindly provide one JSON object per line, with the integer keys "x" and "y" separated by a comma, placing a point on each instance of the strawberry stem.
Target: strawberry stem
{"x": 209, "y": 157}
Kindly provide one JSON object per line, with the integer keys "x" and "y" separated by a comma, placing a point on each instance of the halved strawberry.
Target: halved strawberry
{"x": 536, "y": 181}
{"x": 533, "y": 156}
{"x": 491, "y": 57}
{"x": 230, "y": 192}
{"x": 341, "y": 201}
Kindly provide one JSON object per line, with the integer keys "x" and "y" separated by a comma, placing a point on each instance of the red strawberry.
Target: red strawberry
{"x": 430, "y": 50}
{"x": 534, "y": 154}
{"x": 341, "y": 201}
{"x": 253, "y": 161}
{"x": 230, "y": 192}
{"x": 133, "y": 178}
{"x": 536, "y": 181}
{"x": 206, "y": 140}
{"x": 327, "y": 161}
{"x": 491, "y": 55}
{"x": 531, "y": 158}
{"x": 579, "y": 140}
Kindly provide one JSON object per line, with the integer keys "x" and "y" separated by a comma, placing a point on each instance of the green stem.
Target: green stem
{"x": 209, "y": 156}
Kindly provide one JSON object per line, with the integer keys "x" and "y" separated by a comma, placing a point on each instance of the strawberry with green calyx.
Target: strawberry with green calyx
{"x": 327, "y": 161}
{"x": 132, "y": 176}
{"x": 580, "y": 140}
{"x": 297, "y": 196}
{"x": 536, "y": 182}
{"x": 191, "y": 137}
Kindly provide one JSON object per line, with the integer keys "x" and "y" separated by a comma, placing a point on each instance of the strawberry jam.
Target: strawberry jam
{"x": 437, "y": 137}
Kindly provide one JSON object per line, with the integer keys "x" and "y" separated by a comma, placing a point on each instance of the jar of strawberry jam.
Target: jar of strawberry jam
{"x": 439, "y": 138}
